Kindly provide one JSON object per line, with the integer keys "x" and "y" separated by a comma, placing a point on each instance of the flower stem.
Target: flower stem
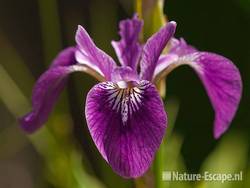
{"x": 161, "y": 157}
{"x": 158, "y": 167}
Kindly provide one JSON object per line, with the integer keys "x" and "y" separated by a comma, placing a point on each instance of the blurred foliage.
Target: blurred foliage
{"x": 230, "y": 156}
{"x": 62, "y": 154}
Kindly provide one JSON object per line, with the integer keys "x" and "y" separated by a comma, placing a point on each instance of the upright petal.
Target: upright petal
{"x": 87, "y": 53}
{"x": 220, "y": 77}
{"x": 128, "y": 49}
{"x": 124, "y": 74}
{"x": 153, "y": 49}
{"x": 126, "y": 124}
{"x": 48, "y": 88}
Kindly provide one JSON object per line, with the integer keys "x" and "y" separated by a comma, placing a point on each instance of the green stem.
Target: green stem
{"x": 160, "y": 158}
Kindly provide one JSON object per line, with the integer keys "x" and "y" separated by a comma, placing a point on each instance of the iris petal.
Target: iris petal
{"x": 88, "y": 54}
{"x": 219, "y": 75}
{"x": 128, "y": 49}
{"x": 48, "y": 88}
{"x": 127, "y": 125}
{"x": 223, "y": 84}
{"x": 153, "y": 49}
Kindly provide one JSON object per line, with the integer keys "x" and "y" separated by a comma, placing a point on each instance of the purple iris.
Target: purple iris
{"x": 124, "y": 112}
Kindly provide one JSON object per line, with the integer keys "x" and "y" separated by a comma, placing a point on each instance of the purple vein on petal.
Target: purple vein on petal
{"x": 219, "y": 75}
{"x": 125, "y": 137}
{"x": 48, "y": 88}
{"x": 153, "y": 49}
{"x": 88, "y": 54}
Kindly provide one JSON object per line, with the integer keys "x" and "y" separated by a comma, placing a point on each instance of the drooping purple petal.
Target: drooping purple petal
{"x": 126, "y": 124}
{"x": 153, "y": 49}
{"x": 128, "y": 49}
{"x": 48, "y": 88}
{"x": 223, "y": 84}
{"x": 65, "y": 58}
{"x": 220, "y": 77}
{"x": 87, "y": 53}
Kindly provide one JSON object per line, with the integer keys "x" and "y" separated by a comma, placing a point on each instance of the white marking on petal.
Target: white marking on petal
{"x": 125, "y": 101}
{"x": 122, "y": 84}
{"x": 82, "y": 58}
{"x": 124, "y": 109}
{"x": 191, "y": 61}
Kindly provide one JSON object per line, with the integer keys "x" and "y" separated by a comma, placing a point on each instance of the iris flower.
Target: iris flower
{"x": 124, "y": 112}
